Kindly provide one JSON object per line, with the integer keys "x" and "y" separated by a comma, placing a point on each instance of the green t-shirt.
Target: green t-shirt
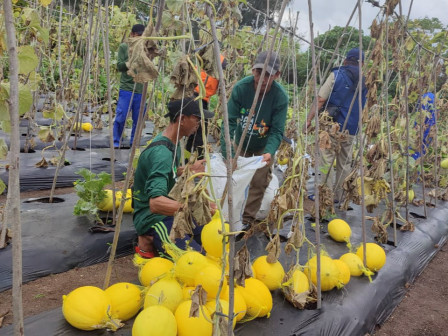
{"x": 266, "y": 130}
{"x": 126, "y": 81}
{"x": 155, "y": 176}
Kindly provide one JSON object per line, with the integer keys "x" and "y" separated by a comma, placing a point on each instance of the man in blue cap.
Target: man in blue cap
{"x": 339, "y": 96}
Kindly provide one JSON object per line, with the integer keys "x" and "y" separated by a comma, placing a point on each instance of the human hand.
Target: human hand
{"x": 213, "y": 207}
{"x": 306, "y": 126}
{"x": 266, "y": 158}
{"x": 198, "y": 166}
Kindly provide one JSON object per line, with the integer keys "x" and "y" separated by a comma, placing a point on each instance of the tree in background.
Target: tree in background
{"x": 254, "y": 19}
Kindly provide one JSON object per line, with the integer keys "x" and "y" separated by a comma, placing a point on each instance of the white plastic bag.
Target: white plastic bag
{"x": 268, "y": 198}
{"x": 241, "y": 178}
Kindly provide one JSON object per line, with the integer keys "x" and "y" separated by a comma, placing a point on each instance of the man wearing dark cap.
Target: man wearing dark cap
{"x": 336, "y": 96}
{"x": 155, "y": 175}
{"x": 266, "y": 128}
{"x": 130, "y": 94}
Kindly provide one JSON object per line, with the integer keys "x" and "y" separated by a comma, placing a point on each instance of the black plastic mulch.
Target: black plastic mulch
{"x": 54, "y": 240}
{"x": 354, "y": 310}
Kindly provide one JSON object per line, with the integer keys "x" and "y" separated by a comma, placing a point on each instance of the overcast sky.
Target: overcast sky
{"x": 328, "y": 13}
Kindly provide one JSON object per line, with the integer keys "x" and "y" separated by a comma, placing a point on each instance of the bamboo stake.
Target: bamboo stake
{"x": 225, "y": 116}
{"x": 361, "y": 140}
{"x": 436, "y": 116}
{"x": 389, "y": 142}
{"x": 422, "y": 154}
{"x": 316, "y": 163}
{"x": 12, "y": 213}
{"x": 406, "y": 102}
{"x": 105, "y": 32}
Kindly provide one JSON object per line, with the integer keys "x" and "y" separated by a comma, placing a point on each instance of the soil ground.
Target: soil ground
{"x": 423, "y": 311}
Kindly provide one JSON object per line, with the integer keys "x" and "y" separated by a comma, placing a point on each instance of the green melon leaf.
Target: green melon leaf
{"x": 25, "y": 99}
{"x": 174, "y": 6}
{"x": 3, "y": 150}
{"x": 2, "y": 186}
{"x": 28, "y": 60}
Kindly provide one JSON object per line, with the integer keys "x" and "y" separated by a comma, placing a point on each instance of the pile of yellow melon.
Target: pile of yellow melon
{"x": 167, "y": 288}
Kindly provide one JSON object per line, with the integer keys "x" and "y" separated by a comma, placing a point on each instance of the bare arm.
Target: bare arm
{"x": 163, "y": 205}
{"x": 320, "y": 103}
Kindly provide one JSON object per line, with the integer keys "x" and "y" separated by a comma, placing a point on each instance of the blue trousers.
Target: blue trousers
{"x": 161, "y": 231}
{"x": 123, "y": 105}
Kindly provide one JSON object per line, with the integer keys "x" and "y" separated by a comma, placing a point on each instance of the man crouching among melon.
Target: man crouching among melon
{"x": 155, "y": 175}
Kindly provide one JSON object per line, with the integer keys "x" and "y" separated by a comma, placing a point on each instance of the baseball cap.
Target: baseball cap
{"x": 186, "y": 106}
{"x": 353, "y": 55}
{"x": 273, "y": 64}
{"x": 138, "y": 28}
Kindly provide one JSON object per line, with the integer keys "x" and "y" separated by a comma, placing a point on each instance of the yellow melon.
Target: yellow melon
{"x": 375, "y": 256}
{"x": 258, "y": 298}
{"x": 187, "y": 291}
{"x": 339, "y": 230}
{"x": 354, "y": 263}
{"x": 300, "y": 282}
{"x": 188, "y": 265}
{"x": 107, "y": 203}
{"x": 86, "y": 308}
{"x": 155, "y": 321}
{"x": 344, "y": 273}
{"x": 127, "y": 204}
{"x": 224, "y": 308}
{"x": 154, "y": 269}
{"x": 444, "y": 163}
{"x": 270, "y": 274}
{"x": 212, "y": 238}
{"x": 87, "y": 127}
{"x": 329, "y": 272}
{"x": 126, "y": 299}
{"x": 411, "y": 195}
{"x": 239, "y": 304}
{"x": 210, "y": 277}
{"x": 197, "y": 326}
{"x": 166, "y": 292}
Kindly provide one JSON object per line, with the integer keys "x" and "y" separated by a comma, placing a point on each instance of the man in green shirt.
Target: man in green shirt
{"x": 266, "y": 128}
{"x": 130, "y": 94}
{"x": 155, "y": 176}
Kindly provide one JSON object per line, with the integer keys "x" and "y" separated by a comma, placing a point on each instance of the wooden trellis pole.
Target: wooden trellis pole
{"x": 389, "y": 142}
{"x": 12, "y": 213}
{"x": 316, "y": 162}
{"x": 361, "y": 140}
